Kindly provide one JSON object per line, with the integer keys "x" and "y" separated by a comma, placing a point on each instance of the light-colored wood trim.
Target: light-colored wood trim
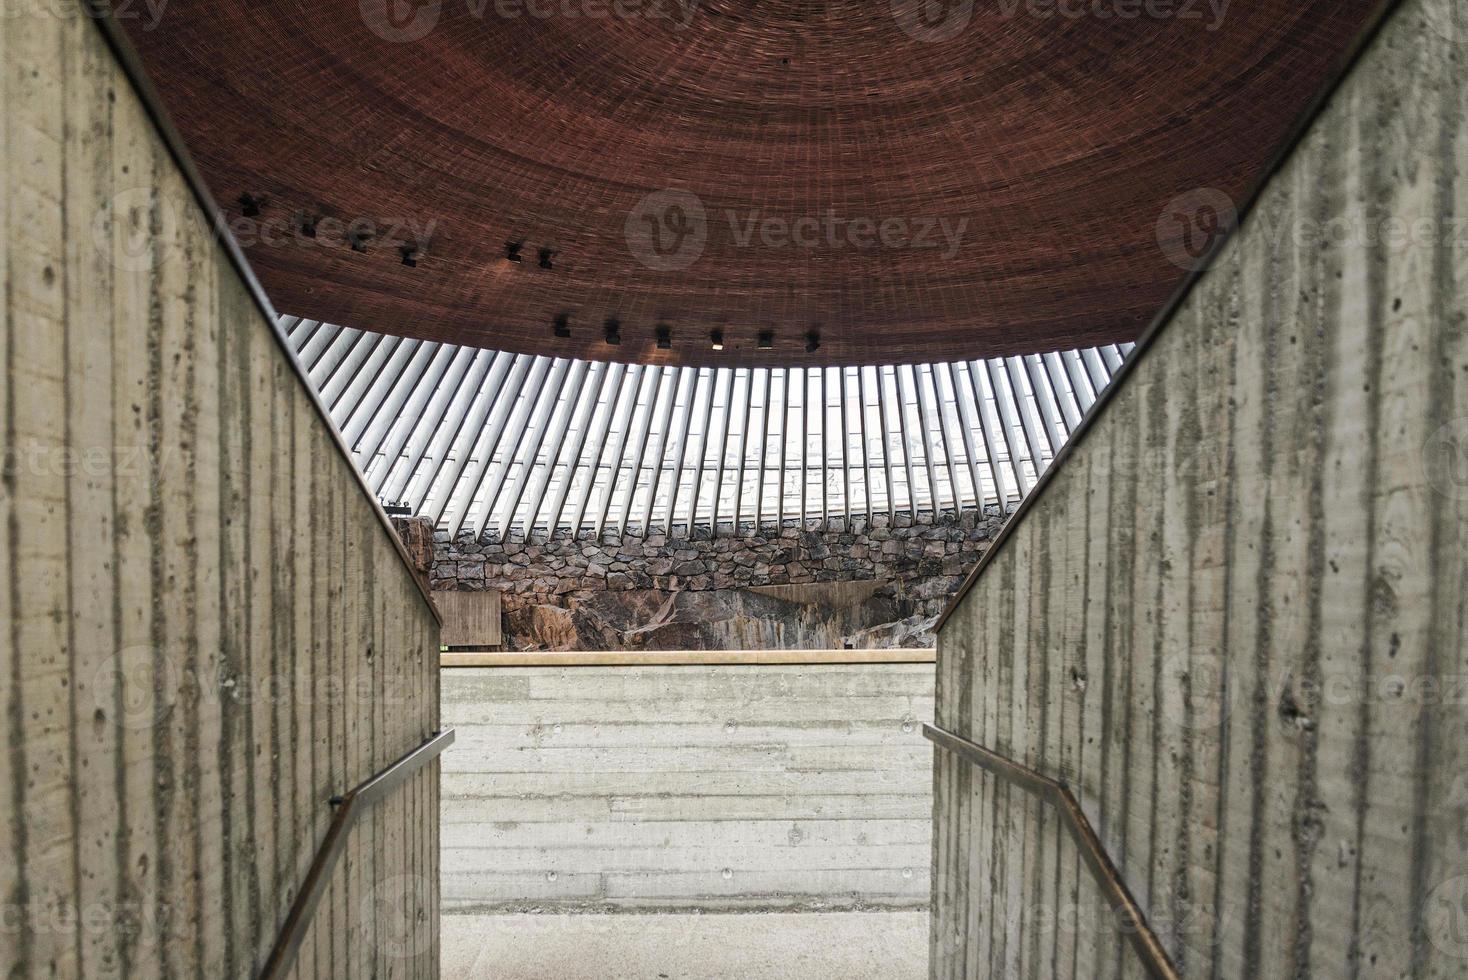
{"x": 683, "y": 658}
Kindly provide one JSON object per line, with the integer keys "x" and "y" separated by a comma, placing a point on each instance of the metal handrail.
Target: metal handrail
{"x": 348, "y": 808}
{"x": 1149, "y": 948}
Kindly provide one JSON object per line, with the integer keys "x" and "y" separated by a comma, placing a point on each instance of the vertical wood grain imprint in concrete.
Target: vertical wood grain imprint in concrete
{"x": 207, "y": 631}
{"x": 1234, "y": 622}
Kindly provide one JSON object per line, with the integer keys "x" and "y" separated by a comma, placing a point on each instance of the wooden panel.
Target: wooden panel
{"x": 208, "y": 631}
{"x": 1232, "y": 620}
{"x": 470, "y": 619}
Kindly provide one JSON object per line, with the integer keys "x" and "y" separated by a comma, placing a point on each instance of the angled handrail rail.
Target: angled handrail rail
{"x": 348, "y": 808}
{"x": 1149, "y": 948}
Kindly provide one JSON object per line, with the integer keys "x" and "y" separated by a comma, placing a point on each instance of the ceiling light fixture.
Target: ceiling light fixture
{"x": 716, "y": 339}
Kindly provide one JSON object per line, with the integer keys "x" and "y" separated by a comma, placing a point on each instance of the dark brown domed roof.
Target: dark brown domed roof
{"x": 906, "y": 179}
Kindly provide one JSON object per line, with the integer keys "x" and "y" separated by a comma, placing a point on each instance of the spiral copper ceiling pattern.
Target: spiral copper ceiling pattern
{"x": 906, "y": 180}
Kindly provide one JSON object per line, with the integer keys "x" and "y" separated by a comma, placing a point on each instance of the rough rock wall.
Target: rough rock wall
{"x": 878, "y": 583}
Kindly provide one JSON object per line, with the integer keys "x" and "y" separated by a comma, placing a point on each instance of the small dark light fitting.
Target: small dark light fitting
{"x": 410, "y": 256}
{"x": 545, "y": 258}
{"x": 767, "y": 340}
{"x": 716, "y": 339}
{"x": 665, "y": 338}
{"x": 308, "y": 225}
{"x": 812, "y": 342}
{"x": 613, "y": 331}
{"x": 563, "y": 326}
{"x": 250, "y": 205}
{"x": 512, "y": 251}
{"x": 358, "y": 241}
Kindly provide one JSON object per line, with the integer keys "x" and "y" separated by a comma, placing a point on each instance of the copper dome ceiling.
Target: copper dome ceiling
{"x": 904, "y": 179}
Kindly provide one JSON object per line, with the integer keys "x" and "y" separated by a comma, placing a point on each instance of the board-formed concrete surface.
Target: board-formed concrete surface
{"x": 208, "y": 630}
{"x": 780, "y": 946}
{"x": 1234, "y": 620}
{"x": 709, "y": 788}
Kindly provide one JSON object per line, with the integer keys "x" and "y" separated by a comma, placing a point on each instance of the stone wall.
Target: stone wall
{"x": 877, "y": 583}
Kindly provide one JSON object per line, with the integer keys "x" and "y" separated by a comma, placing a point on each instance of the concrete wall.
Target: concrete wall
{"x": 680, "y": 788}
{"x": 778, "y": 589}
{"x": 1234, "y": 621}
{"x": 207, "y": 630}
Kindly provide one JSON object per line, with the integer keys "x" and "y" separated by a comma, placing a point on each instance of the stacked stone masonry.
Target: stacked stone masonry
{"x": 874, "y": 583}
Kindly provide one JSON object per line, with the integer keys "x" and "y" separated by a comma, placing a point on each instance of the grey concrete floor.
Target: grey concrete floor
{"x": 776, "y": 946}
